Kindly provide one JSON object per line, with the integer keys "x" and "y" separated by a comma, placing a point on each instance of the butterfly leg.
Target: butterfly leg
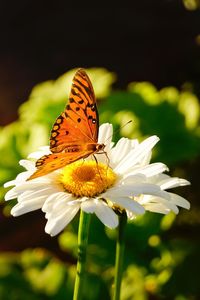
{"x": 97, "y": 166}
{"x": 83, "y": 160}
{"x": 107, "y": 158}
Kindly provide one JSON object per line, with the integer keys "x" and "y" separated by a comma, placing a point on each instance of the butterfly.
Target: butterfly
{"x": 75, "y": 132}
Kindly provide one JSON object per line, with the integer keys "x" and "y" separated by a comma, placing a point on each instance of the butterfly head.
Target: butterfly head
{"x": 100, "y": 147}
{"x": 94, "y": 147}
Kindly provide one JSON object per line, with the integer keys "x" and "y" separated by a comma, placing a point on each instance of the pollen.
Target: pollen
{"x": 87, "y": 178}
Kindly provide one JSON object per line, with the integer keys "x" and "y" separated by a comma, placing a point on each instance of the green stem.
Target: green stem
{"x": 119, "y": 256}
{"x": 83, "y": 232}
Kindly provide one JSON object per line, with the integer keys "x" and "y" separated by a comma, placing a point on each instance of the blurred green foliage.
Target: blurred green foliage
{"x": 191, "y": 4}
{"x": 156, "y": 264}
{"x": 34, "y": 274}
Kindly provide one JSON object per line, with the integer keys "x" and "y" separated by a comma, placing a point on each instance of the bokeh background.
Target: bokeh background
{"x": 143, "y": 58}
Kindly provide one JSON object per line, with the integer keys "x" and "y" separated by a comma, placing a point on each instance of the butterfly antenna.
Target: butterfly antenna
{"x": 118, "y": 129}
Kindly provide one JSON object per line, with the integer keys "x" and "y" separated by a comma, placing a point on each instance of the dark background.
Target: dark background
{"x": 142, "y": 40}
{"x": 156, "y": 41}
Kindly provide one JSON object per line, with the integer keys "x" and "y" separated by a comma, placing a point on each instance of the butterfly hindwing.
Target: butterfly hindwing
{"x": 79, "y": 121}
{"x": 55, "y": 161}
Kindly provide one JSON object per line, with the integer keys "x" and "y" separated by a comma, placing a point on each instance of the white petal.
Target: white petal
{"x": 149, "y": 170}
{"x": 62, "y": 199}
{"x": 29, "y": 194}
{"x": 122, "y": 148}
{"x": 129, "y": 204}
{"x": 136, "y": 154}
{"x": 21, "y": 178}
{"x": 135, "y": 190}
{"x": 25, "y": 196}
{"x": 130, "y": 215}
{"x": 106, "y": 215}
{"x": 37, "y": 183}
{"x": 37, "y": 154}
{"x": 9, "y": 183}
{"x": 11, "y": 194}
{"x": 180, "y": 201}
{"x": 157, "y": 208}
{"x": 132, "y": 179}
{"x": 61, "y": 206}
{"x": 49, "y": 203}
{"x": 105, "y": 134}
{"x": 27, "y": 164}
{"x": 53, "y": 199}
{"x": 55, "y": 225}
{"x": 173, "y": 182}
{"x": 168, "y": 204}
{"x": 146, "y": 159}
{"x": 31, "y": 205}
{"x": 89, "y": 206}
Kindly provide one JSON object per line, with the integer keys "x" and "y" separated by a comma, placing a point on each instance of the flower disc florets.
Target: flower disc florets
{"x": 87, "y": 178}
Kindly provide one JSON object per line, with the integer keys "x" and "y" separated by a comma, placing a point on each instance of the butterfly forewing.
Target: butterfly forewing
{"x": 75, "y": 132}
{"x": 79, "y": 122}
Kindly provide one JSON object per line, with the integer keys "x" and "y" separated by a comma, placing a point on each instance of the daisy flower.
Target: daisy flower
{"x": 124, "y": 180}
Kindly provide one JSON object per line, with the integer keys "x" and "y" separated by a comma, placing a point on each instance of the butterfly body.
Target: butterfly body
{"x": 75, "y": 132}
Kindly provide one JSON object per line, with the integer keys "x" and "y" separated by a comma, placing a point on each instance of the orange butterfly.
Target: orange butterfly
{"x": 75, "y": 132}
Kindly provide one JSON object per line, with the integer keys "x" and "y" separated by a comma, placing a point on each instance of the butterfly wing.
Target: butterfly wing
{"x": 79, "y": 123}
{"x": 55, "y": 161}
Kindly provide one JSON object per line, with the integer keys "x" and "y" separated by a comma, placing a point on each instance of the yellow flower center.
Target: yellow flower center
{"x": 87, "y": 178}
